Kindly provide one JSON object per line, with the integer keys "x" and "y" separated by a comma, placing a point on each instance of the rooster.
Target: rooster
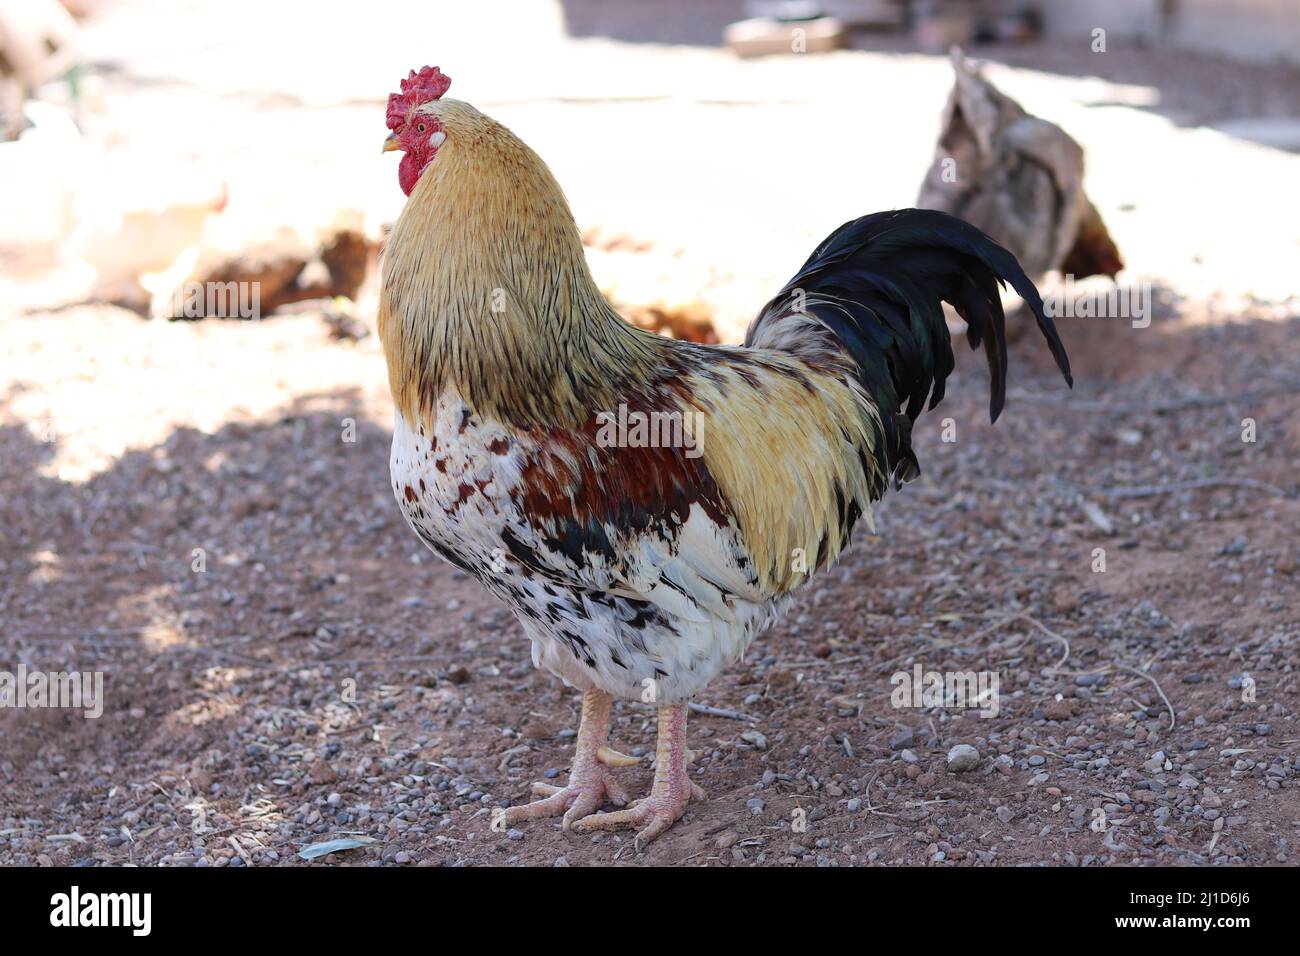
{"x": 640, "y": 568}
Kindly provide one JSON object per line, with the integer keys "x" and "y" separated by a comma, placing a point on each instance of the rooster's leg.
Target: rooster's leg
{"x": 672, "y": 789}
{"x": 590, "y": 782}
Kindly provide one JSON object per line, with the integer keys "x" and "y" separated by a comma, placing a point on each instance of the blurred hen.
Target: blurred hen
{"x": 1018, "y": 178}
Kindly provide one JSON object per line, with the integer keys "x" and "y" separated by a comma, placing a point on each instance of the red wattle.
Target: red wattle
{"x": 408, "y": 172}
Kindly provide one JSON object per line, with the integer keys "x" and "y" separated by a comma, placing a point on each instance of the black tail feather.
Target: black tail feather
{"x": 878, "y": 282}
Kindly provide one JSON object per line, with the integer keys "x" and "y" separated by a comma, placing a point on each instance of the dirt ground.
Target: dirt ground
{"x": 229, "y": 703}
{"x": 202, "y": 511}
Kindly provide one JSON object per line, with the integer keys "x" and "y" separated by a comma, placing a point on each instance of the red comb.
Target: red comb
{"x": 417, "y": 89}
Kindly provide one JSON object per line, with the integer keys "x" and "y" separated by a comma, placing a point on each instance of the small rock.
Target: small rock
{"x": 1235, "y": 546}
{"x": 962, "y": 758}
{"x": 537, "y": 730}
{"x": 321, "y": 773}
{"x": 1156, "y": 763}
{"x": 1063, "y": 709}
{"x": 726, "y": 839}
{"x": 459, "y": 674}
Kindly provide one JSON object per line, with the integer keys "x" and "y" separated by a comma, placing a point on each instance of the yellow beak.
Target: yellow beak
{"x": 391, "y": 143}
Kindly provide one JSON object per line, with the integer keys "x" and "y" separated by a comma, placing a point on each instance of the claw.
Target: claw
{"x": 612, "y": 758}
{"x": 590, "y": 781}
{"x": 651, "y": 816}
{"x": 577, "y": 800}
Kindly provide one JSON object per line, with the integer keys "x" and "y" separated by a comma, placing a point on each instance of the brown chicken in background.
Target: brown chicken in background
{"x": 1018, "y": 178}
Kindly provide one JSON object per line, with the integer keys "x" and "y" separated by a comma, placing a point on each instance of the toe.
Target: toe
{"x": 658, "y": 825}
{"x": 548, "y": 807}
{"x": 606, "y": 821}
{"x": 587, "y": 802}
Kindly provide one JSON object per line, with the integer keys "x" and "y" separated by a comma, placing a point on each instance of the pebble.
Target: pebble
{"x": 321, "y": 773}
{"x": 1235, "y": 546}
{"x": 1059, "y": 709}
{"x": 962, "y": 758}
{"x": 901, "y": 738}
{"x": 1156, "y": 763}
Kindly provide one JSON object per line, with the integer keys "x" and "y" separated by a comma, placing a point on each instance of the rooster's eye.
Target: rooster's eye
{"x": 420, "y": 128}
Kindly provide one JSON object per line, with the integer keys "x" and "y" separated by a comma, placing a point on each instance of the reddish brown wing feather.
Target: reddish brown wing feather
{"x": 585, "y": 497}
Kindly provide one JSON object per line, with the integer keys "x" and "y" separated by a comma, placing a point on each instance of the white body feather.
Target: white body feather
{"x": 657, "y": 626}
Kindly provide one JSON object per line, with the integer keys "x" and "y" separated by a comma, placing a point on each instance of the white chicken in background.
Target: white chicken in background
{"x": 142, "y": 236}
{"x": 133, "y": 232}
{"x": 36, "y": 45}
